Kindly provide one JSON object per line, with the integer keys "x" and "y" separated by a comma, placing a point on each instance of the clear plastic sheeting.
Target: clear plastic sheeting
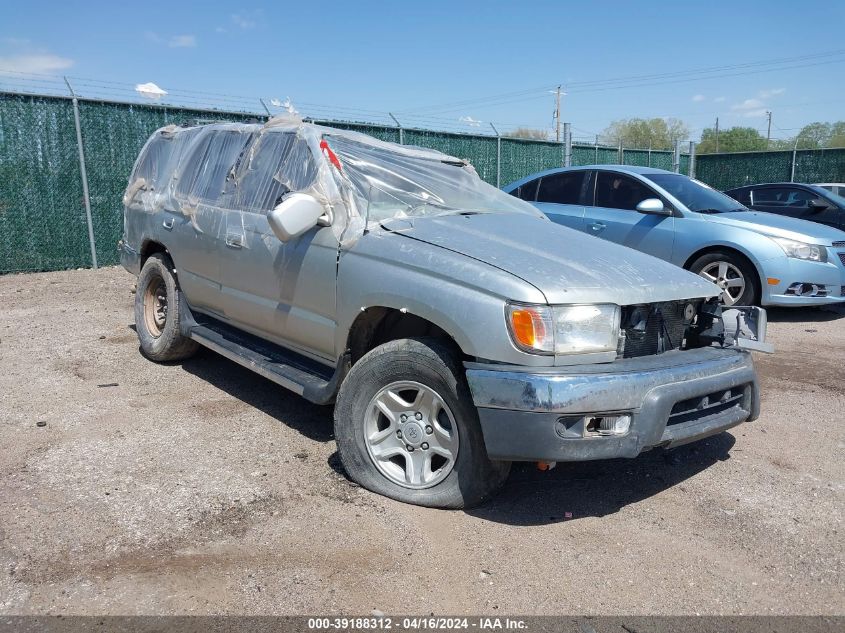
{"x": 396, "y": 181}
{"x": 234, "y": 169}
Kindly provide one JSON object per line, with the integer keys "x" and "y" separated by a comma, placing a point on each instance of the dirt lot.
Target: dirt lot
{"x": 202, "y": 488}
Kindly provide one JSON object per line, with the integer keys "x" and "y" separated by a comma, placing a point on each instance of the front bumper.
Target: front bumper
{"x": 788, "y": 271}
{"x": 672, "y": 398}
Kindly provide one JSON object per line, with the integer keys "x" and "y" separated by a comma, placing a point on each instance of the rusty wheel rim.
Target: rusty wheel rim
{"x": 155, "y": 306}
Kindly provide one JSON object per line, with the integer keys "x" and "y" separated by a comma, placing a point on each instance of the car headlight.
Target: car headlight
{"x": 800, "y": 250}
{"x": 564, "y": 329}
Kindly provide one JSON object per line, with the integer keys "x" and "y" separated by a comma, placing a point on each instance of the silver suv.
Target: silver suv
{"x": 455, "y": 328}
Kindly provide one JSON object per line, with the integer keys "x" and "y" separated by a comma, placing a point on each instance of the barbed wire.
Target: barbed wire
{"x": 123, "y": 92}
{"x": 39, "y": 84}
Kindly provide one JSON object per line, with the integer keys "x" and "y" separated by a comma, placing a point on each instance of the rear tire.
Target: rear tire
{"x": 735, "y": 275}
{"x": 158, "y": 312}
{"x": 415, "y": 386}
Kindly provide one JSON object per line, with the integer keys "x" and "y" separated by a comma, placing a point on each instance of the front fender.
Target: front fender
{"x": 462, "y": 296}
{"x": 696, "y": 236}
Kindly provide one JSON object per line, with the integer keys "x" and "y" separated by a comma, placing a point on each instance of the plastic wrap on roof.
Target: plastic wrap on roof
{"x": 249, "y": 168}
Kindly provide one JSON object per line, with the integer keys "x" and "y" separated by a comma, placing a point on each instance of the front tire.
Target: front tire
{"x": 406, "y": 428}
{"x": 736, "y": 277}
{"x": 158, "y": 312}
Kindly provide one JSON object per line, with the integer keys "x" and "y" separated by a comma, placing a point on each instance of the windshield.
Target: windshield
{"x": 838, "y": 200}
{"x": 695, "y": 195}
{"x": 391, "y": 183}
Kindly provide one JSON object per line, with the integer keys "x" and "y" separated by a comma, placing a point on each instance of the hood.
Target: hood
{"x": 773, "y": 225}
{"x": 565, "y": 265}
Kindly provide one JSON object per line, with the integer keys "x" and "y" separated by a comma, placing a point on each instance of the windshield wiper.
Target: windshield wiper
{"x": 429, "y": 203}
{"x": 715, "y": 211}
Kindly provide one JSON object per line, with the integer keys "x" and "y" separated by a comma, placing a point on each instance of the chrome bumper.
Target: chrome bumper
{"x": 672, "y": 398}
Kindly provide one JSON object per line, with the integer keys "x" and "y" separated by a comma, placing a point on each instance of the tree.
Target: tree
{"x": 527, "y": 132}
{"x": 644, "y": 133}
{"x": 735, "y": 139}
{"x": 814, "y": 135}
{"x": 818, "y": 135}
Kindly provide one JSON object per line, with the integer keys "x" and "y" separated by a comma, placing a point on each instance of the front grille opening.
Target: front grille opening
{"x": 704, "y": 406}
{"x": 656, "y": 327}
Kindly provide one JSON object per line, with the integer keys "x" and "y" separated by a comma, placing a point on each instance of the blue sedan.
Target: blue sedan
{"x": 755, "y": 258}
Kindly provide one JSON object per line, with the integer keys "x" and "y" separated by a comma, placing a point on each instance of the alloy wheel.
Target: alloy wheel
{"x": 411, "y": 435}
{"x": 728, "y": 277}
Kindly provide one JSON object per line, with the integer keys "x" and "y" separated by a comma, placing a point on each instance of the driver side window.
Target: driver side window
{"x": 279, "y": 163}
{"x": 618, "y": 191}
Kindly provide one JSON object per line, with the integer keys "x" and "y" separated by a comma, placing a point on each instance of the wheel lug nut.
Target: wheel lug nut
{"x": 424, "y": 446}
{"x": 410, "y": 448}
{"x": 398, "y": 433}
{"x": 418, "y": 415}
{"x": 428, "y": 429}
{"x": 403, "y": 418}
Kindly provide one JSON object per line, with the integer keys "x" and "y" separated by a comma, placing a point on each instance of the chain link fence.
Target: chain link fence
{"x": 725, "y": 171}
{"x": 43, "y": 220}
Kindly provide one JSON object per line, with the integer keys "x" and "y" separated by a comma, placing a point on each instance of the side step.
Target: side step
{"x": 292, "y": 371}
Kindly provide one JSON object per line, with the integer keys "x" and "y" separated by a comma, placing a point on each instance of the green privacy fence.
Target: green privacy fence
{"x": 43, "y": 220}
{"x": 43, "y": 224}
{"x": 724, "y": 171}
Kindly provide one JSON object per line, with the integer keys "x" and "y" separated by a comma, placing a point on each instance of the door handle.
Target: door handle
{"x": 234, "y": 241}
{"x": 168, "y": 224}
{"x": 597, "y": 226}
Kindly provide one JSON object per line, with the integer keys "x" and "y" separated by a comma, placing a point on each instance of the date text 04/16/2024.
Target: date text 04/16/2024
{"x": 416, "y": 623}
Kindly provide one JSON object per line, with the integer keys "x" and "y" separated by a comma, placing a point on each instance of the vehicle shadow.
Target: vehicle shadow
{"x": 805, "y": 315}
{"x": 577, "y": 490}
{"x": 311, "y": 420}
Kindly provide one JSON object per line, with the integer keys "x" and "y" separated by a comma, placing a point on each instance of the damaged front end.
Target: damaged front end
{"x": 743, "y": 327}
{"x": 688, "y": 324}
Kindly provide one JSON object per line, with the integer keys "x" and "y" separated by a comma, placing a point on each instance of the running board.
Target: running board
{"x": 292, "y": 371}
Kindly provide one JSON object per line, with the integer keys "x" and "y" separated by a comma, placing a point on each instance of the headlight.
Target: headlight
{"x": 566, "y": 329}
{"x": 800, "y": 250}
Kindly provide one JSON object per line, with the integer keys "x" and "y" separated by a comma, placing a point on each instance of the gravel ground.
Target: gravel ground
{"x": 202, "y": 488}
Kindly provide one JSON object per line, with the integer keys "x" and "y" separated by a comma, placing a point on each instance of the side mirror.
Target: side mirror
{"x": 297, "y": 213}
{"x": 653, "y": 206}
{"x": 818, "y": 204}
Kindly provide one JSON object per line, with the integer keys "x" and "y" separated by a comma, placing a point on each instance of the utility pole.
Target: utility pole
{"x": 769, "y": 131}
{"x": 717, "y": 135}
{"x": 567, "y": 145}
{"x": 557, "y": 115}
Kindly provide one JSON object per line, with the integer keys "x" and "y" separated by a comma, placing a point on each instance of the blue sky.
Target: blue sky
{"x": 433, "y": 63}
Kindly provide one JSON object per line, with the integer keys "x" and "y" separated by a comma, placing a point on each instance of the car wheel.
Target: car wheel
{"x": 157, "y": 312}
{"x": 735, "y": 275}
{"x": 406, "y": 427}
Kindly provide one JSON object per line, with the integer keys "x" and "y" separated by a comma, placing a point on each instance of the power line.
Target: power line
{"x": 635, "y": 81}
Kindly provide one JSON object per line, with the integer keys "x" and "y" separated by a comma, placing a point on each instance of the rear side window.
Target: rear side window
{"x": 561, "y": 188}
{"x": 768, "y": 196}
{"x": 209, "y": 169}
{"x": 278, "y": 163}
{"x": 152, "y": 162}
{"x": 743, "y": 196}
{"x": 618, "y": 191}
{"x": 528, "y": 191}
